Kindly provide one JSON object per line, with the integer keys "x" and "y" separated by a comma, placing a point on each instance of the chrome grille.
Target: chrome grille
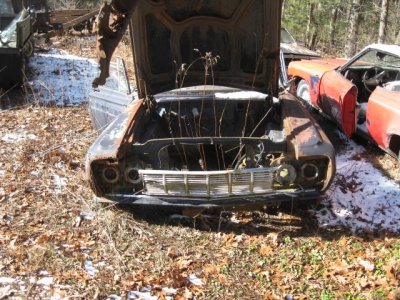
{"x": 207, "y": 184}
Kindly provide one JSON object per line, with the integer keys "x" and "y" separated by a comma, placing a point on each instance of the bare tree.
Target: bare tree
{"x": 383, "y": 21}
{"x": 283, "y": 6}
{"x": 310, "y": 21}
{"x": 332, "y": 24}
{"x": 351, "y": 45}
{"x": 395, "y": 20}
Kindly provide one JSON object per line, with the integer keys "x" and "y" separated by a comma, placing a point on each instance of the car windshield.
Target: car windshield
{"x": 6, "y": 7}
{"x": 286, "y": 37}
{"x": 8, "y": 37}
{"x": 378, "y": 59}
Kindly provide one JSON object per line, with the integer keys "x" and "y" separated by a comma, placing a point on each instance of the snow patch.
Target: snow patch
{"x": 195, "y": 281}
{"x": 61, "y": 79}
{"x": 145, "y": 294}
{"x": 90, "y": 268}
{"x": 45, "y": 281}
{"x": 169, "y": 291}
{"x": 133, "y": 295}
{"x": 361, "y": 197}
{"x": 58, "y": 297}
{"x": 88, "y": 215}
{"x": 244, "y": 95}
{"x": 7, "y": 280}
{"x": 11, "y": 138}
{"x": 59, "y": 183}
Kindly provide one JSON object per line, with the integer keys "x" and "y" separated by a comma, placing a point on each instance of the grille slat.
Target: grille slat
{"x": 207, "y": 184}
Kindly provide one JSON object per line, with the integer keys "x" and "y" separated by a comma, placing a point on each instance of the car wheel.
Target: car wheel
{"x": 29, "y": 49}
{"x": 303, "y": 91}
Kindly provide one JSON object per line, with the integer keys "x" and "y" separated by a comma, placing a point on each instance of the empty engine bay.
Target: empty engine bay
{"x": 209, "y": 134}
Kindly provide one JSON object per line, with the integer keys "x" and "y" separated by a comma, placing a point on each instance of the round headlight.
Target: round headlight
{"x": 309, "y": 171}
{"x": 286, "y": 174}
{"x": 132, "y": 175}
{"x": 111, "y": 175}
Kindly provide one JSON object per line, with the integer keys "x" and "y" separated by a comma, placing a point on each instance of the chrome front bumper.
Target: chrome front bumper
{"x": 248, "y": 202}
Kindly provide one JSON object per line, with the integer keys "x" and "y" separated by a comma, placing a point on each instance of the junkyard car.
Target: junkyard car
{"x": 15, "y": 41}
{"x": 361, "y": 94}
{"x": 209, "y": 129}
{"x": 292, "y": 51}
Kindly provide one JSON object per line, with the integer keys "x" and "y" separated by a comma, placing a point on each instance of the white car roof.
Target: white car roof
{"x": 392, "y": 49}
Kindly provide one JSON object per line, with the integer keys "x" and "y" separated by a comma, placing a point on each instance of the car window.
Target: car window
{"x": 377, "y": 58}
{"x": 286, "y": 37}
{"x": 6, "y": 7}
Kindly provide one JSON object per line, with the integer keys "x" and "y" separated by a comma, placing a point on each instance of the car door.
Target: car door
{"x": 383, "y": 115}
{"x": 108, "y": 101}
{"x": 337, "y": 98}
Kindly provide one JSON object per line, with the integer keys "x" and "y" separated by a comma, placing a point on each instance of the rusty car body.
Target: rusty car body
{"x": 209, "y": 127}
{"x": 16, "y": 45}
{"x": 362, "y": 94}
{"x": 58, "y": 21}
{"x": 292, "y": 50}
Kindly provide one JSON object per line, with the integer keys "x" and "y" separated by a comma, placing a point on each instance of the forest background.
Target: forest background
{"x": 334, "y": 27}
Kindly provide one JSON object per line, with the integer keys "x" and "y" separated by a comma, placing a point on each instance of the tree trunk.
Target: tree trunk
{"x": 396, "y": 22}
{"x": 313, "y": 40}
{"x": 351, "y": 45}
{"x": 309, "y": 23}
{"x": 383, "y": 21}
{"x": 398, "y": 38}
{"x": 283, "y": 7}
{"x": 332, "y": 25}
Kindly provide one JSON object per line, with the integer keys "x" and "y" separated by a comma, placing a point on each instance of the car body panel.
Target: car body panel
{"x": 312, "y": 71}
{"x": 335, "y": 92}
{"x": 337, "y": 98}
{"x": 292, "y": 51}
{"x": 169, "y": 36}
{"x": 305, "y": 136}
{"x": 297, "y": 52}
{"x": 383, "y": 116}
{"x": 316, "y": 67}
{"x": 16, "y": 32}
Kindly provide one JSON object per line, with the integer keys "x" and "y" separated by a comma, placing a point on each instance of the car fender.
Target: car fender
{"x": 383, "y": 115}
{"x": 299, "y": 70}
{"x": 305, "y": 138}
{"x": 312, "y": 71}
{"x": 109, "y": 144}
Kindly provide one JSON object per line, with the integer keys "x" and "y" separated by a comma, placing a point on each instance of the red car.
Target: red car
{"x": 362, "y": 94}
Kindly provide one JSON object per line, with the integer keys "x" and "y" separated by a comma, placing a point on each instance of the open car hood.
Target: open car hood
{"x": 181, "y": 43}
{"x": 295, "y": 49}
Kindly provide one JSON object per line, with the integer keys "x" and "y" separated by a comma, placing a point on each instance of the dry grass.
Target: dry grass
{"x": 237, "y": 256}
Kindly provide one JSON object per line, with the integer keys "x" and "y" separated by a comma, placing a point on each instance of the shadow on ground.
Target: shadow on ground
{"x": 12, "y": 99}
{"x": 286, "y": 221}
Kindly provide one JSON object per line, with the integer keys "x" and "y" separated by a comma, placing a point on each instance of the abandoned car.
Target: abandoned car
{"x": 16, "y": 44}
{"x": 209, "y": 128}
{"x": 362, "y": 95}
{"x": 292, "y": 50}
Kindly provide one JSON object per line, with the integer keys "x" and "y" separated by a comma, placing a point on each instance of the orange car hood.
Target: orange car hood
{"x": 317, "y": 66}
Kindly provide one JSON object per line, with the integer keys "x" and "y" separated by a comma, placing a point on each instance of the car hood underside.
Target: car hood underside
{"x": 181, "y": 43}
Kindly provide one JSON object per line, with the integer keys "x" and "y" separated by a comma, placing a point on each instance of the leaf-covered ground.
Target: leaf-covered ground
{"x": 56, "y": 244}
